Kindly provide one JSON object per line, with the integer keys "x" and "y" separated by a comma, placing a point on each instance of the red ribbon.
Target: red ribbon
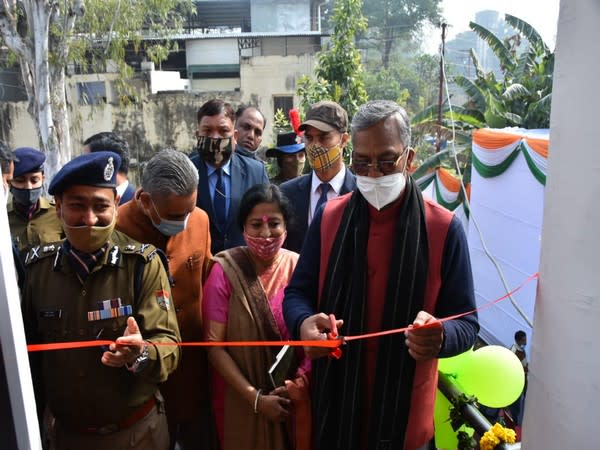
{"x": 334, "y": 341}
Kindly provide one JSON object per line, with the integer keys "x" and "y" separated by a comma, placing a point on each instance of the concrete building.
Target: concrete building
{"x": 249, "y": 51}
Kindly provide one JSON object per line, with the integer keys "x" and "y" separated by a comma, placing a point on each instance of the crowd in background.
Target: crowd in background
{"x": 208, "y": 248}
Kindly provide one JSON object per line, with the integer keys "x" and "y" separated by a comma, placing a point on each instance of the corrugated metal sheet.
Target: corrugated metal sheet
{"x": 224, "y": 35}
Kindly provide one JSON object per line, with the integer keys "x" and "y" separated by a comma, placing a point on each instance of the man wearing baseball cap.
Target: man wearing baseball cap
{"x": 325, "y": 135}
{"x": 99, "y": 284}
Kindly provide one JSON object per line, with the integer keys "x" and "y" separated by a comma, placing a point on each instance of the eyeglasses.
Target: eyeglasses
{"x": 384, "y": 167}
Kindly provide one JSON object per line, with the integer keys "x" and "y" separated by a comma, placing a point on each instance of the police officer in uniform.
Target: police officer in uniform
{"x": 31, "y": 217}
{"x": 99, "y": 284}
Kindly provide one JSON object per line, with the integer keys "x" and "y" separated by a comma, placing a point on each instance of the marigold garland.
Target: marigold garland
{"x": 496, "y": 435}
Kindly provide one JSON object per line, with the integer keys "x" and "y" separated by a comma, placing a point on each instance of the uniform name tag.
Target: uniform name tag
{"x": 51, "y": 314}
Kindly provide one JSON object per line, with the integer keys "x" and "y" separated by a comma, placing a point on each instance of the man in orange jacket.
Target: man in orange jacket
{"x": 163, "y": 212}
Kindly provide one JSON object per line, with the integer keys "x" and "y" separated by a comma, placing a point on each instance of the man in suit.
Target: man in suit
{"x": 249, "y": 126}
{"x": 326, "y": 136}
{"x": 112, "y": 142}
{"x": 224, "y": 176}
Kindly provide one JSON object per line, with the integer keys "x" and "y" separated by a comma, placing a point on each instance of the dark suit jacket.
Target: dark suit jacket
{"x": 298, "y": 193}
{"x": 245, "y": 173}
{"x": 128, "y": 194}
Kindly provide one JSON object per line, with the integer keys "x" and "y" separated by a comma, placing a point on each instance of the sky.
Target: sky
{"x": 541, "y": 14}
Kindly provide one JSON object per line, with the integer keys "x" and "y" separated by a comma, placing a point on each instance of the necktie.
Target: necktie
{"x": 219, "y": 201}
{"x": 323, "y": 198}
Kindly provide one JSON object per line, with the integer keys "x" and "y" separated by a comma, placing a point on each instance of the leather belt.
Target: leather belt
{"x": 137, "y": 415}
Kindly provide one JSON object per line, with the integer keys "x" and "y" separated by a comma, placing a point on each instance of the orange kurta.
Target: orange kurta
{"x": 188, "y": 253}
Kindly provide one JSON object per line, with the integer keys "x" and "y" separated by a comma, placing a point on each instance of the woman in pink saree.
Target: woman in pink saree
{"x": 243, "y": 302}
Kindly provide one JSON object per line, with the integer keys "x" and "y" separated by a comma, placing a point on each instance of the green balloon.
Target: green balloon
{"x": 452, "y": 366}
{"x": 445, "y": 436}
{"x": 494, "y": 375}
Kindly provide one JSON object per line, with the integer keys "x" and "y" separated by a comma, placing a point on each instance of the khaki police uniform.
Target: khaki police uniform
{"x": 43, "y": 228}
{"x": 94, "y": 403}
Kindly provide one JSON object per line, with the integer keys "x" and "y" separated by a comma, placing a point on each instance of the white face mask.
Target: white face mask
{"x": 381, "y": 191}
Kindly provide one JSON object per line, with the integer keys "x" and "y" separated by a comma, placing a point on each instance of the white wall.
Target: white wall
{"x": 215, "y": 84}
{"x": 266, "y": 76}
{"x": 163, "y": 81}
{"x": 561, "y": 411}
{"x": 280, "y": 15}
{"x": 211, "y": 51}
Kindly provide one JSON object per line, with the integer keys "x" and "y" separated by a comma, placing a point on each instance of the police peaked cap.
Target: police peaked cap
{"x": 92, "y": 169}
{"x": 29, "y": 160}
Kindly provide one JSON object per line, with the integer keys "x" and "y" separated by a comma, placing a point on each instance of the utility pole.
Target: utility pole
{"x": 438, "y": 141}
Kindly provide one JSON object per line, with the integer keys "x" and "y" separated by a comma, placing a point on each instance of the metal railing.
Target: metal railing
{"x": 473, "y": 417}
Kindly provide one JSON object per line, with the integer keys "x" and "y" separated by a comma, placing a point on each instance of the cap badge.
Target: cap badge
{"x": 109, "y": 170}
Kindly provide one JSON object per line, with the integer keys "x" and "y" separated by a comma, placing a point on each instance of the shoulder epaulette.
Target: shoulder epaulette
{"x": 41, "y": 251}
{"x": 146, "y": 251}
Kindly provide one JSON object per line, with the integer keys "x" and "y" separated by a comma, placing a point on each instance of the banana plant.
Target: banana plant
{"x": 521, "y": 98}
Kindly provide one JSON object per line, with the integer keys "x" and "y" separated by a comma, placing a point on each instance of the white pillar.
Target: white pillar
{"x": 563, "y": 398}
{"x": 14, "y": 350}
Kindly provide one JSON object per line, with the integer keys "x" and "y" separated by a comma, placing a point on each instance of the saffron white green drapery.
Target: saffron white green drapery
{"x": 444, "y": 187}
{"x": 507, "y": 199}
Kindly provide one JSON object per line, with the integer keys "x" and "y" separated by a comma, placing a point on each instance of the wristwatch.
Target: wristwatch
{"x": 140, "y": 362}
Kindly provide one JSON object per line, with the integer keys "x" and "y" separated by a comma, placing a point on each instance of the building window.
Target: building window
{"x": 91, "y": 92}
{"x": 283, "y": 102}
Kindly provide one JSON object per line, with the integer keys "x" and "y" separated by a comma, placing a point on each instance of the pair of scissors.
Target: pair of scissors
{"x": 336, "y": 353}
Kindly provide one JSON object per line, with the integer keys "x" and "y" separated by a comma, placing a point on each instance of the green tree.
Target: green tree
{"x": 523, "y": 96}
{"x": 281, "y": 124}
{"x": 339, "y": 73}
{"x": 390, "y": 21}
{"x": 47, "y": 35}
{"x": 409, "y": 81}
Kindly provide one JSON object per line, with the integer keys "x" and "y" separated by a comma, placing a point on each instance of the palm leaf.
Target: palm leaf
{"x": 514, "y": 118}
{"x": 473, "y": 91}
{"x": 500, "y": 50}
{"x": 468, "y": 111}
{"x": 539, "y": 110}
{"x": 479, "y": 73}
{"x": 528, "y": 31}
{"x": 524, "y": 64}
{"x": 463, "y": 118}
{"x": 432, "y": 162}
{"x": 514, "y": 91}
{"x": 427, "y": 115}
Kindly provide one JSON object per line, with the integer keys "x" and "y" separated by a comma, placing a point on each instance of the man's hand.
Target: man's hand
{"x": 425, "y": 337}
{"x": 126, "y": 348}
{"x": 316, "y": 328}
{"x": 275, "y": 407}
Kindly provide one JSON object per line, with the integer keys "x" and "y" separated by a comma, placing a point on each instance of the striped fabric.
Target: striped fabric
{"x": 83, "y": 263}
{"x": 338, "y": 408}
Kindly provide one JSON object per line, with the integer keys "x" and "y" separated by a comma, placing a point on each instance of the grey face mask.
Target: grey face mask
{"x": 26, "y": 197}
{"x": 169, "y": 227}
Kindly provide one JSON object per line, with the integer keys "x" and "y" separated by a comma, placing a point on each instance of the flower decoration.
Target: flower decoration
{"x": 496, "y": 435}
{"x": 295, "y": 122}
